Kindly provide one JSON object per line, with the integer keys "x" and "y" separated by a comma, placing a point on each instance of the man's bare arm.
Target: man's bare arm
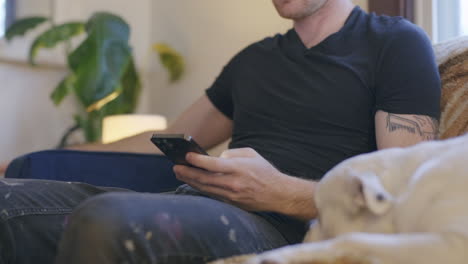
{"x": 396, "y": 130}
{"x": 202, "y": 120}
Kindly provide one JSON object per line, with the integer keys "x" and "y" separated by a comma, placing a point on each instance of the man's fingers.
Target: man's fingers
{"x": 214, "y": 191}
{"x": 239, "y": 153}
{"x": 213, "y": 164}
{"x": 224, "y": 163}
{"x": 194, "y": 175}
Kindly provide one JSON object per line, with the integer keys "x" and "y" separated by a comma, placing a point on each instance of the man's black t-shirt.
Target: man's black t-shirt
{"x": 305, "y": 110}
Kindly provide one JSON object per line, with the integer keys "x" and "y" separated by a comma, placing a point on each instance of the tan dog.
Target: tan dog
{"x": 396, "y": 206}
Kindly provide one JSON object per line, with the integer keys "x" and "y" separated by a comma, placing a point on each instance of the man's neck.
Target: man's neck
{"x": 327, "y": 20}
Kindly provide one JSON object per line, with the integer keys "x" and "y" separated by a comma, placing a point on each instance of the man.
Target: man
{"x": 338, "y": 84}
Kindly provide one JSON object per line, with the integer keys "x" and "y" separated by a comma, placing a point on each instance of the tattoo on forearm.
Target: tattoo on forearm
{"x": 424, "y": 126}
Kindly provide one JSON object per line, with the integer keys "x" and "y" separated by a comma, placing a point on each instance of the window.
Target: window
{"x": 464, "y": 18}
{"x": 449, "y": 21}
{"x": 2, "y": 17}
{"x": 7, "y": 14}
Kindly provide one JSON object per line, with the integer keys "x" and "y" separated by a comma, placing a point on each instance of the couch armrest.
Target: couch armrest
{"x": 138, "y": 172}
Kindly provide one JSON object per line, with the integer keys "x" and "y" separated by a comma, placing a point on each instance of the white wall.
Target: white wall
{"x": 33, "y": 7}
{"x": 29, "y": 120}
{"x": 364, "y": 4}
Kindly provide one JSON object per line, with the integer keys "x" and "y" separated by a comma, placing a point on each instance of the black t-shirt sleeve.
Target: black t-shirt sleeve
{"x": 407, "y": 78}
{"x": 220, "y": 92}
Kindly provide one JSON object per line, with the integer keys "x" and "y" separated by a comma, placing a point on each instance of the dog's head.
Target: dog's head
{"x": 350, "y": 201}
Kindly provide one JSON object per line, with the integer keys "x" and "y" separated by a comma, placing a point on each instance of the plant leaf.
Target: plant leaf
{"x": 171, "y": 60}
{"x": 21, "y": 26}
{"x": 127, "y": 101}
{"x": 63, "y": 89}
{"x": 54, "y": 36}
{"x": 102, "y": 59}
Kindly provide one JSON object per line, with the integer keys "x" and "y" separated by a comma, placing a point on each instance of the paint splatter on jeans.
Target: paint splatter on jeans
{"x": 119, "y": 226}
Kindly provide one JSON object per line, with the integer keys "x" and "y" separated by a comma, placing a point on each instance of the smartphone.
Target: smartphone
{"x": 176, "y": 146}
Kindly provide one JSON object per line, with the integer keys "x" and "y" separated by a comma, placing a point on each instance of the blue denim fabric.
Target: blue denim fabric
{"x": 185, "y": 228}
{"x": 162, "y": 228}
{"x": 33, "y": 214}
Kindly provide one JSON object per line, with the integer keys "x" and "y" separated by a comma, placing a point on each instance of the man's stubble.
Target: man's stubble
{"x": 298, "y": 9}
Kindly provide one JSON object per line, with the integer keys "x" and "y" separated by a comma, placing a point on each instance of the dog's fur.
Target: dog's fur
{"x": 405, "y": 206}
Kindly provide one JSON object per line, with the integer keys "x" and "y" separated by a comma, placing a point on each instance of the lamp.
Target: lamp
{"x": 116, "y": 127}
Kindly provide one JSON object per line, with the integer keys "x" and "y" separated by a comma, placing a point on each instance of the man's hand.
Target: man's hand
{"x": 243, "y": 178}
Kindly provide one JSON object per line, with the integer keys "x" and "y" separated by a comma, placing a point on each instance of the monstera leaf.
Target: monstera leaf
{"x": 54, "y": 36}
{"x": 20, "y": 27}
{"x": 101, "y": 61}
{"x": 65, "y": 87}
{"x": 126, "y": 102}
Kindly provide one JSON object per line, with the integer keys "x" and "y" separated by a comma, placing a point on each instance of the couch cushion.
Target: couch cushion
{"x": 452, "y": 57}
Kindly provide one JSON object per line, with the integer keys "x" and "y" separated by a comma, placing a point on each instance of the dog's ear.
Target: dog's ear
{"x": 369, "y": 192}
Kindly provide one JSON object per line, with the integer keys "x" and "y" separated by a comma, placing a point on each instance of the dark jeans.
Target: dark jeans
{"x": 123, "y": 226}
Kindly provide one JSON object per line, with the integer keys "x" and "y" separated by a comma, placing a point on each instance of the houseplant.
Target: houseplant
{"x": 101, "y": 69}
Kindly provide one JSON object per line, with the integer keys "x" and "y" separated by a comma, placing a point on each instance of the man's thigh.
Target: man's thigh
{"x": 33, "y": 214}
{"x": 162, "y": 228}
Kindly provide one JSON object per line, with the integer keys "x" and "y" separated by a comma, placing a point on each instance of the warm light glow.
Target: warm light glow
{"x": 121, "y": 126}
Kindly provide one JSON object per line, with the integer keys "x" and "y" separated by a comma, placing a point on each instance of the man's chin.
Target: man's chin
{"x": 292, "y": 16}
{"x": 290, "y": 10}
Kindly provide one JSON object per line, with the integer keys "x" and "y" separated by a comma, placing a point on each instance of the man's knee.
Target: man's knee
{"x": 147, "y": 227}
{"x": 154, "y": 219}
{"x": 92, "y": 231}
{"x": 97, "y": 215}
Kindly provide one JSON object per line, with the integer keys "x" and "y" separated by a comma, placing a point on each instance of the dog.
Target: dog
{"x": 394, "y": 206}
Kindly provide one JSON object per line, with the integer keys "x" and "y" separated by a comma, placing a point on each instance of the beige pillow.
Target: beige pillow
{"x": 452, "y": 57}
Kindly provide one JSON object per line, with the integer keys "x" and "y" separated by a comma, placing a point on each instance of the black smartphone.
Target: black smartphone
{"x": 176, "y": 146}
